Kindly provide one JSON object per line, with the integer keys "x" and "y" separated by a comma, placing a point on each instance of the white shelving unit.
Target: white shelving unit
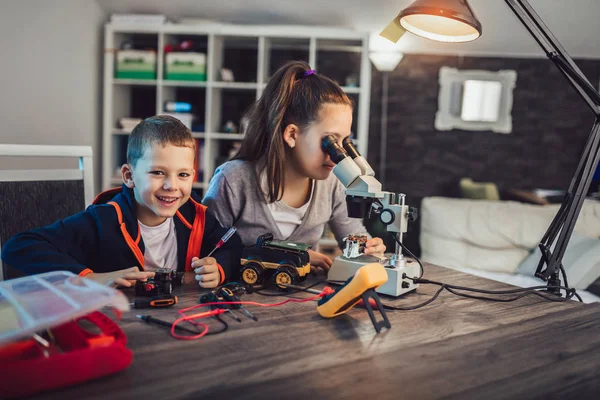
{"x": 264, "y": 47}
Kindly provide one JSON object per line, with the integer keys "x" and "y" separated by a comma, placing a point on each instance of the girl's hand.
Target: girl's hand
{"x": 318, "y": 260}
{"x": 375, "y": 246}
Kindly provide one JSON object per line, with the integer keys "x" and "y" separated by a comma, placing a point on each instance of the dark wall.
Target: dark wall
{"x": 550, "y": 126}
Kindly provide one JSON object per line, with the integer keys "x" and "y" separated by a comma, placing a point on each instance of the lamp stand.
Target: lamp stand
{"x": 564, "y": 222}
{"x": 384, "y": 116}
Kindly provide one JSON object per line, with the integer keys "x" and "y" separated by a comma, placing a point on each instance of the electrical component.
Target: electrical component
{"x": 359, "y": 287}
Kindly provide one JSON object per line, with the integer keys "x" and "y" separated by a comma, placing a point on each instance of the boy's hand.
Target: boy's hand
{"x": 207, "y": 272}
{"x": 375, "y": 246}
{"x": 122, "y": 278}
{"x": 318, "y": 260}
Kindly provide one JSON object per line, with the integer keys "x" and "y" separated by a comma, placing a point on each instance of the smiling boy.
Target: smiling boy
{"x": 153, "y": 221}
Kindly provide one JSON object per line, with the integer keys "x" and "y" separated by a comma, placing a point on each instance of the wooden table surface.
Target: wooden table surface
{"x": 452, "y": 348}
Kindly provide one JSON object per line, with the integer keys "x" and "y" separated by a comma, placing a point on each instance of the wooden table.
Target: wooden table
{"x": 453, "y": 348}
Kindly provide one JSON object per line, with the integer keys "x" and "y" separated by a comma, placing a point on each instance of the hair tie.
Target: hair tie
{"x": 309, "y": 72}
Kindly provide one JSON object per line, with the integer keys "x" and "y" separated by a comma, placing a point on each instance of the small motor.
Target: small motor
{"x": 355, "y": 245}
{"x": 161, "y": 283}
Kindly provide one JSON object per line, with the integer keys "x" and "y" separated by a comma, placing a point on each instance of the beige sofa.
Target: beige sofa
{"x": 497, "y": 239}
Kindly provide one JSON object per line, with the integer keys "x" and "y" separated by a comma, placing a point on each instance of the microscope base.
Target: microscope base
{"x": 343, "y": 268}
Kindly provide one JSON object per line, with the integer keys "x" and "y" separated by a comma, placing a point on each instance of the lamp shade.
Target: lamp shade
{"x": 441, "y": 20}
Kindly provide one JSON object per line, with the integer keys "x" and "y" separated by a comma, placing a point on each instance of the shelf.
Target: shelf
{"x": 337, "y": 45}
{"x": 135, "y": 82}
{"x": 167, "y": 82}
{"x": 234, "y": 85}
{"x": 253, "y": 54}
{"x": 226, "y": 136}
{"x": 351, "y": 89}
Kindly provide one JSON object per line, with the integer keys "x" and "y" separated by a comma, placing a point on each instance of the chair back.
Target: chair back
{"x": 38, "y": 197}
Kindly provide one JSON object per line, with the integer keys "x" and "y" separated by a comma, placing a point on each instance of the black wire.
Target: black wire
{"x": 288, "y": 291}
{"x": 395, "y": 236}
{"x": 435, "y": 296}
{"x": 225, "y": 327}
{"x": 564, "y": 275}
{"x": 549, "y": 297}
{"x": 484, "y": 291}
{"x": 569, "y": 292}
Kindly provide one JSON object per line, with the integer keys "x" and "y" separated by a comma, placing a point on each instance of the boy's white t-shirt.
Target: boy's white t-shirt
{"x": 161, "y": 245}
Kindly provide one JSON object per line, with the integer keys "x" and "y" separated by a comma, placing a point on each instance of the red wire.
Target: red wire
{"x": 194, "y": 316}
{"x": 191, "y": 318}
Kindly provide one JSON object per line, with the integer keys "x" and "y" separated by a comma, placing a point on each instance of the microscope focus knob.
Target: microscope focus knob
{"x": 413, "y": 214}
{"x": 387, "y": 216}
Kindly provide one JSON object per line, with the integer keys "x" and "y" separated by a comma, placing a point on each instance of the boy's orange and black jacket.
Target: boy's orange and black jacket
{"x": 106, "y": 237}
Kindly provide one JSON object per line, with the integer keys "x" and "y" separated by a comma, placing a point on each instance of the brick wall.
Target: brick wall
{"x": 550, "y": 126}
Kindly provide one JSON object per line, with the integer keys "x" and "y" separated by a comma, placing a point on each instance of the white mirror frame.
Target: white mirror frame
{"x": 445, "y": 121}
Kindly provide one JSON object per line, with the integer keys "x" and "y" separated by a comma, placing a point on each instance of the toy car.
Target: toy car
{"x": 286, "y": 263}
{"x": 161, "y": 283}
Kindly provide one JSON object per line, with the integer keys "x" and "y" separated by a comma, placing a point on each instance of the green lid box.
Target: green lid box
{"x": 184, "y": 66}
{"x": 136, "y": 64}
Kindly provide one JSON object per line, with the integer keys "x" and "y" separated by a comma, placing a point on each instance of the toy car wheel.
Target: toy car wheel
{"x": 252, "y": 273}
{"x": 168, "y": 288}
{"x": 285, "y": 275}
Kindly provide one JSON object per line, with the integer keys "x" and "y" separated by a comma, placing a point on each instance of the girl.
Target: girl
{"x": 280, "y": 181}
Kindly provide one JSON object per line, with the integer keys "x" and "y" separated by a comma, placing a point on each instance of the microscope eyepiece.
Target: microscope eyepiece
{"x": 332, "y": 147}
{"x": 350, "y": 148}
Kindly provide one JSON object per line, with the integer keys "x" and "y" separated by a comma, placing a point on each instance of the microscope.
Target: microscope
{"x": 363, "y": 196}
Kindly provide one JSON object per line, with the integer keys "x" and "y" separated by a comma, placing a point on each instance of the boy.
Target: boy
{"x": 153, "y": 221}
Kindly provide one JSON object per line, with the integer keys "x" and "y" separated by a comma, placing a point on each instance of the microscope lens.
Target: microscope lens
{"x": 331, "y": 147}
{"x": 350, "y": 148}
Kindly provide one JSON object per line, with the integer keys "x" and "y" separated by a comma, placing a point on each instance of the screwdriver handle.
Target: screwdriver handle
{"x": 212, "y": 297}
{"x": 157, "y": 301}
{"x": 228, "y": 295}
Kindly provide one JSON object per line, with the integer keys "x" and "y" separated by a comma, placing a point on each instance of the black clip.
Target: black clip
{"x": 385, "y": 323}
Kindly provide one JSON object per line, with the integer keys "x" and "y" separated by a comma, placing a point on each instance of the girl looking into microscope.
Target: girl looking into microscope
{"x": 280, "y": 181}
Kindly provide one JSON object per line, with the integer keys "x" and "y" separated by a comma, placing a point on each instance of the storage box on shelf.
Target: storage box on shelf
{"x": 135, "y": 64}
{"x": 185, "y": 66}
{"x": 219, "y": 70}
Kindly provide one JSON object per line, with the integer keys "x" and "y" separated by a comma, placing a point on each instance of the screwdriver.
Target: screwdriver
{"x": 148, "y": 319}
{"x": 228, "y": 295}
{"x": 163, "y": 300}
{"x": 225, "y": 238}
{"x": 213, "y": 298}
